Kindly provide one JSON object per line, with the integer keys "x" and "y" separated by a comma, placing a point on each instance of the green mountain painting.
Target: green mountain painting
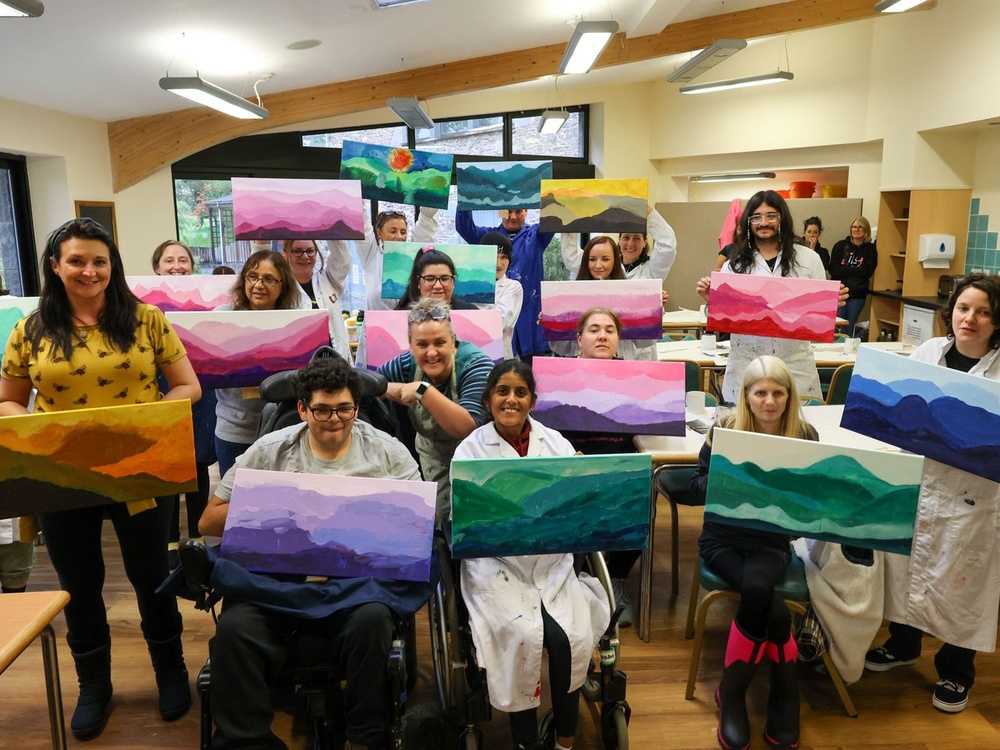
{"x": 398, "y": 174}
{"x": 803, "y": 488}
{"x": 475, "y": 269}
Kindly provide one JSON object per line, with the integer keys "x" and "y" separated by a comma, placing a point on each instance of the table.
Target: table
{"x": 25, "y": 617}
{"x": 683, "y": 451}
{"x": 685, "y": 320}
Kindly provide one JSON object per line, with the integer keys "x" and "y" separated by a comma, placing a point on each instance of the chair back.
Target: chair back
{"x": 839, "y": 384}
{"x": 692, "y": 376}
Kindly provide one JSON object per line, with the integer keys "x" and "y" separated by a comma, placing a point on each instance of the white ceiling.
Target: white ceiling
{"x": 103, "y": 58}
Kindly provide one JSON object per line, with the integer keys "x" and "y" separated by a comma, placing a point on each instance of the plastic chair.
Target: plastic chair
{"x": 793, "y": 590}
{"x": 839, "y": 384}
{"x": 692, "y": 376}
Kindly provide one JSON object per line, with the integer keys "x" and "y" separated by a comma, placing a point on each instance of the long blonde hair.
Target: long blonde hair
{"x": 792, "y": 423}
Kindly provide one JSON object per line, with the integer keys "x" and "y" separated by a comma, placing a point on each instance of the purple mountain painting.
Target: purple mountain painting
{"x": 237, "y": 348}
{"x": 637, "y": 302}
{"x": 774, "y": 306}
{"x": 385, "y": 332}
{"x": 336, "y": 526}
{"x": 600, "y": 395}
{"x": 283, "y": 209}
{"x": 182, "y": 293}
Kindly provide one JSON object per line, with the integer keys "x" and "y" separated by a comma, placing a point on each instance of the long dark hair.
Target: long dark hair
{"x": 425, "y": 257}
{"x": 618, "y": 272}
{"x": 741, "y": 260}
{"x": 53, "y": 319}
{"x": 289, "y": 297}
{"x": 989, "y": 285}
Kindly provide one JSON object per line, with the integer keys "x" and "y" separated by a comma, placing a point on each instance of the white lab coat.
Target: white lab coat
{"x": 504, "y": 595}
{"x": 797, "y": 355}
{"x": 949, "y": 585}
{"x": 371, "y": 252}
{"x": 509, "y": 298}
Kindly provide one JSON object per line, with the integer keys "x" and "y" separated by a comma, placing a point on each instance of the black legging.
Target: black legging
{"x": 196, "y": 502}
{"x": 762, "y": 612}
{"x": 565, "y": 704}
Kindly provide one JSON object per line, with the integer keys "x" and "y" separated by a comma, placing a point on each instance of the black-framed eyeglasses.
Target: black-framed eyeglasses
{"x": 252, "y": 279}
{"x": 770, "y": 218}
{"x": 298, "y": 252}
{"x": 323, "y": 413}
{"x": 432, "y": 313}
{"x": 445, "y": 279}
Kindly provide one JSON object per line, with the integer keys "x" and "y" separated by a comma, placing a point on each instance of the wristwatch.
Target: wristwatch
{"x": 422, "y": 388}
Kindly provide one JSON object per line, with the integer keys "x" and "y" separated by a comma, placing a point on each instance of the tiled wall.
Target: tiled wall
{"x": 982, "y": 250}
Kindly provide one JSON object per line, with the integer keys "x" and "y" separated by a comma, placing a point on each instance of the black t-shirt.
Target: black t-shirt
{"x": 955, "y": 360}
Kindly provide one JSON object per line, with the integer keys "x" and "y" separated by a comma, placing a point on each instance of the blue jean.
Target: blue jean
{"x": 851, "y": 311}
{"x": 228, "y": 452}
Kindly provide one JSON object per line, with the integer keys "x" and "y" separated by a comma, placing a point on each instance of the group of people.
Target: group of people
{"x": 459, "y": 404}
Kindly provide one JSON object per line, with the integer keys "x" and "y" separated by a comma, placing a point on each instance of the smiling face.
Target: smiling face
{"x": 302, "y": 258}
{"x": 175, "y": 261}
{"x": 767, "y": 400}
{"x": 438, "y": 289}
{"x": 433, "y": 347}
{"x": 601, "y": 260}
{"x": 515, "y": 220}
{"x": 328, "y": 437}
{"x": 264, "y": 292}
{"x": 599, "y": 338}
{"x": 632, "y": 245}
{"x": 84, "y": 266}
{"x": 510, "y": 401}
{"x": 393, "y": 230}
{"x": 972, "y": 322}
{"x": 770, "y": 223}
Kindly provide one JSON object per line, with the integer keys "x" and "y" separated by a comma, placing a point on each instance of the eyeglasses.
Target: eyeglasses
{"x": 770, "y": 218}
{"x": 299, "y": 252}
{"x": 445, "y": 280}
{"x": 432, "y": 313}
{"x": 268, "y": 281}
{"x": 323, "y": 413}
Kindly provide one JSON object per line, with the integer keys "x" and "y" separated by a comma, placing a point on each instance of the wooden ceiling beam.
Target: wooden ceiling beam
{"x": 142, "y": 145}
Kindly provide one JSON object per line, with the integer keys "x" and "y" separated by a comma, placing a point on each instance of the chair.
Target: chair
{"x": 839, "y": 384}
{"x": 811, "y": 401}
{"x": 793, "y": 590}
{"x": 674, "y": 483}
{"x": 693, "y": 378}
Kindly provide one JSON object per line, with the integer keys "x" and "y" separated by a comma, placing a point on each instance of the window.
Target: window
{"x": 205, "y": 224}
{"x": 18, "y": 267}
{"x": 569, "y": 141}
{"x": 482, "y": 136}
{"x": 389, "y": 135}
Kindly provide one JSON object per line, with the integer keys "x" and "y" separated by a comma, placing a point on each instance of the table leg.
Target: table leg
{"x": 53, "y": 689}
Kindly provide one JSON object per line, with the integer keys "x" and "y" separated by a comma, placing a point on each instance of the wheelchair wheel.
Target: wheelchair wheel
{"x": 471, "y": 739}
{"x": 615, "y": 727}
{"x": 445, "y": 651}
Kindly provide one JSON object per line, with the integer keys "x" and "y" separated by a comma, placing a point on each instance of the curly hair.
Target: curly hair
{"x": 329, "y": 375}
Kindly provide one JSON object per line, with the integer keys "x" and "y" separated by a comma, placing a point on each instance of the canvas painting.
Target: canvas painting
{"x": 12, "y": 309}
{"x": 775, "y": 306}
{"x": 597, "y": 206}
{"x": 76, "y": 459}
{"x": 386, "y": 333}
{"x": 610, "y": 395}
{"x": 549, "y": 504}
{"x": 500, "y": 184}
{"x": 398, "y": 174}
{"x": 475, "y": 269}
{"x": 946, "y": 415}
{"x": 804, "y": 488}
{"x": 637, "y": 302}
{"x": 290, "y": 209}
{"x": 193, "y": 293}
{"x": 239, "y": 348}
{"x": 318, "y": 525}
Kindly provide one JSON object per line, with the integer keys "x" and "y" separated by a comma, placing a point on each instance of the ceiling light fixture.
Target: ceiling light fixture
{"x": 408, "y": 110}
{"x": 585, "y": 46}
{"x": 708, "y": 58}
{"x": 896, "y": 6}
{"x": 201, "y": 91}
{"x": 737, "y": 83}
{"x": 734, "y": 177}
{"x": 21, "y": 9}
{"x": 552, "y": 120}
{"x": 382, "y": 4}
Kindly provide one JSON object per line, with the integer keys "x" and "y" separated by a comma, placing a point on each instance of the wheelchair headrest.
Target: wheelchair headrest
{"x": 282, "y": 386}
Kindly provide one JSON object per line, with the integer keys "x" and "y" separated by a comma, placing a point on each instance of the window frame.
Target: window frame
{"x": 24, "y": 229}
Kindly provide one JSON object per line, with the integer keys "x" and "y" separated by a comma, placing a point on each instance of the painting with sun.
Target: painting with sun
{"x": 398, "y": 174}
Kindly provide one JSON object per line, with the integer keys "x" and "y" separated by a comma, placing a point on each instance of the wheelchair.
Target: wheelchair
{"x": 461, "y": 682}
{"x": 310, "y": 680}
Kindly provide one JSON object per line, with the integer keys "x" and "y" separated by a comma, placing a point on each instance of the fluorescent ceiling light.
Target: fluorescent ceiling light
{"x": 393, "y": 3}
{"x": 737, "y": 83}
{"x": 896, "y": 6}
{"x": 708, "y": 58}
{"x": 588, "y": 41}
{"x": 410, "y": 112}
{"x": 552, "y": 120}
{"x": 21, "y": 9}
{"x": 198, "y": 90}
{"x": 735, "y": 177}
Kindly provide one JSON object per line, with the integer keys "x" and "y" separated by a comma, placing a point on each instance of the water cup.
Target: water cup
{"x": 708, "y": 343}
{"x": 695, "y": 402}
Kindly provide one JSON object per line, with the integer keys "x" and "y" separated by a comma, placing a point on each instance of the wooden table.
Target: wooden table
{"x": 692, "y": 321}
{"x": 26, "y": 617}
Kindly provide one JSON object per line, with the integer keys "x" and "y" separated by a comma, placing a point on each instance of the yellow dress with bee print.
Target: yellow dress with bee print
{"x": 97, "y": 374}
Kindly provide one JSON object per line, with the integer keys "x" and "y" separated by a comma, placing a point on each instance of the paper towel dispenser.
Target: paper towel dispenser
{"x": 936, "y": 250}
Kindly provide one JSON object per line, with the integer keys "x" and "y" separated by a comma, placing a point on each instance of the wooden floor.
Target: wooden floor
{"x": 895, "y": 707}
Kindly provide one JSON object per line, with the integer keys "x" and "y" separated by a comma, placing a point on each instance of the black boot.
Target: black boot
{"x": 782, "y": 729}
{"x": 93, "y": 669}
{"x": 171, "y": 677}
{"x": 743, "y": 654}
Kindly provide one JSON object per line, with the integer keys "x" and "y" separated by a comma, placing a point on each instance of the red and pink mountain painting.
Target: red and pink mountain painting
{"x": 288, "y": 209}
{"x": 182, "y": 293}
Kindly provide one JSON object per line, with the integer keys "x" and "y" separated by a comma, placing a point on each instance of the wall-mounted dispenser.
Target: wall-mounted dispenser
{"x": 936, "y": 250}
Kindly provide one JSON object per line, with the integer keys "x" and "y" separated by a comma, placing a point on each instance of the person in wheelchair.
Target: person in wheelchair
{"x": 520, "y": 605}
{"x": 262, "y": 612}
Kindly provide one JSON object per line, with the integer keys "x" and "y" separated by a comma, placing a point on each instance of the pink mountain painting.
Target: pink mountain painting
{"x": 237, "y": 348}
{"x": 283, "y": 209}
{"x": 182, "y": 293}
{"x": 386, "y": 330}
{"x": 637, "y": 302}
{"x": 774, "y": 306}
{"x": 601, "y": 395}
